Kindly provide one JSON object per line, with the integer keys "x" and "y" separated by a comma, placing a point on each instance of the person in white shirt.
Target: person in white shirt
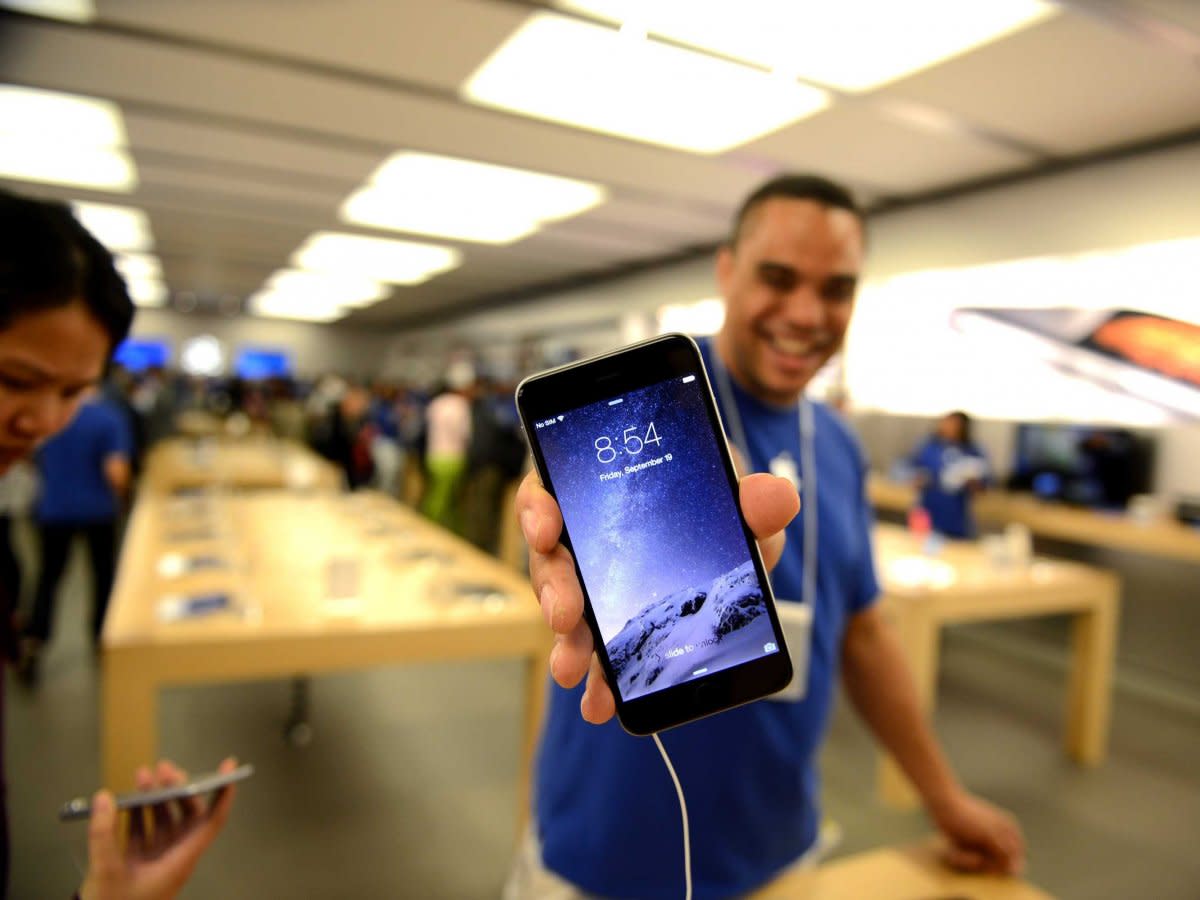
{"x": 448, "y": 435}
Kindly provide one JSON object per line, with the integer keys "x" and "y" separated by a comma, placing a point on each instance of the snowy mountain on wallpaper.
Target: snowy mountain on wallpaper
{"x": 710, "y": 628}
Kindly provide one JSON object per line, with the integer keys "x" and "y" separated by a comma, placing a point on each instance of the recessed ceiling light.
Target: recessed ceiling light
{"x": 326, "y": 288}
{"x": 116, "y": 227}
{"x": 273, "y": 304}
{"x": 57, "y": 138}
{"x": 395, "y": 262}
{"x": 134, "y": 266}
{"x": 103, "y": 169}
{"x": 53, "y": 116}
{"x": 202, "y": 355}
{"x": 853, "y": 45}
{"x": 466, "y": 200}
{"x": 67, "y": 10}
{"x": 590, "y": 76}
{"x": 146, "y": 291}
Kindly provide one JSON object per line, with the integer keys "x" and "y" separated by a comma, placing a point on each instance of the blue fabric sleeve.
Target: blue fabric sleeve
{"x": 867, "y": 589}
{"x": 118, "y": 437}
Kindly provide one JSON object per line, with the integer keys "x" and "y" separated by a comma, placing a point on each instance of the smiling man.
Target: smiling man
{"x": 788, "y": 275}
{"x": 606, "y": 818}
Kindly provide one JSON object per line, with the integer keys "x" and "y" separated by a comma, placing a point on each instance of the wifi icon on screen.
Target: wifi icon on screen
{"x": 560, "y": 418}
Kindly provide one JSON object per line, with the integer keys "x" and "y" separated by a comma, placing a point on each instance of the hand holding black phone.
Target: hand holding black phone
{"x": 631, "y": 446}
{"x": 81, "y": 807}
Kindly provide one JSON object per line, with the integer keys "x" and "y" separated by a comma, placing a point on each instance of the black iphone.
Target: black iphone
{"x": 631, "y": 446}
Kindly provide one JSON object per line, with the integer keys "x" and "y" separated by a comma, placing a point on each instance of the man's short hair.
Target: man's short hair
{"x": 796, "y": 187}
{"x": 48, "y": 260}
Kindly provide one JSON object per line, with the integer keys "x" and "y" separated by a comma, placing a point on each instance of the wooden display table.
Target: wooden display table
{"x": 319, "y": 583}
{"x": 1161, "y": 537}
{"x": 252, "y": 463}
{"x": 910, "y": 873}
{"x": 921, "y": 594}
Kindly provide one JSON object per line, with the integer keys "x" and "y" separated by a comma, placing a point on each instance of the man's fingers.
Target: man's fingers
{"x": 538, "y": 514}
{"x": 597, "y": 704}
{"x": 223, "y": 801}
{"x": 571, "y": 655}
{"x": 104, "y": 856}
{"x": 1011, "y": 848}
{"x": 138, "y": 843}
{"x": 965, "y": 859}
{"x": 557, "y": 587}
{"x": 768, "y": 503}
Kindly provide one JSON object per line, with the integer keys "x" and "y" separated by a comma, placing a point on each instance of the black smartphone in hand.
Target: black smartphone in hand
{"x": 630, "y": 444}
{"x": 81, "y": 807}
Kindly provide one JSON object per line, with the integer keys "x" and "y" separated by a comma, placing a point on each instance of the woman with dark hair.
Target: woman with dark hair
{"x": 950, "y": 469}
{"x": 63, "y": 310}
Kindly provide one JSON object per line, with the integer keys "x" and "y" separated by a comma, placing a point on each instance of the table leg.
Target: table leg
{"x": 129, "y": 711}
{"x": 1089, "y": 683}
{"x": 918, "y": 633}
{"x": 536, "y": 670}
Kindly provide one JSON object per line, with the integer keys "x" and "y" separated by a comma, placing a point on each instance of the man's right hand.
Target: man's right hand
{"x": 768, "y": 503}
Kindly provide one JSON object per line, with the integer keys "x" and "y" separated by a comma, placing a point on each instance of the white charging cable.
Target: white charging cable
{"x": 687, "y": 840}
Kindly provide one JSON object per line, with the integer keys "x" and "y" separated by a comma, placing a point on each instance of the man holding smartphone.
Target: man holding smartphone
{"x": 606, "y": 820}
{"x": 63, "y": 310}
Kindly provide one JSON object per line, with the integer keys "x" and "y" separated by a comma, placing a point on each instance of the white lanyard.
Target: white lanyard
{"x": 808, "y": 478}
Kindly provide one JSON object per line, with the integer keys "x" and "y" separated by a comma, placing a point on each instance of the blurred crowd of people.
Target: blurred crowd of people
{"x": 450, "y": 450}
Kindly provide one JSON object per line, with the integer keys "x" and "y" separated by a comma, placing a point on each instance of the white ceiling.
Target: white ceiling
{"x": 252, "y": 120}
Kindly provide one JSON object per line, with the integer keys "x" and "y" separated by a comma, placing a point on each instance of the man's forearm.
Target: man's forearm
{"x": 118, "y": 474}
{"x": 879, "y": 683}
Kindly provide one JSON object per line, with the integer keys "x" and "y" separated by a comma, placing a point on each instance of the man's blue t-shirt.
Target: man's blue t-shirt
{"x": 606, "y": 809}
{"x": 947, "y": 467}
{"x": 71, "y": 466}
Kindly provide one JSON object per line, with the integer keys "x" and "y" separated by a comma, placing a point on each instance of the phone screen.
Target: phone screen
{"x": 675, "y": 586}
{"x": 1148, "y": 356}
{"x": 1165, "y": 346}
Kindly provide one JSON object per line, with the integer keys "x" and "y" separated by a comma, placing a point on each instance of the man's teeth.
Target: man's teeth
{"x": 795, "y": 348}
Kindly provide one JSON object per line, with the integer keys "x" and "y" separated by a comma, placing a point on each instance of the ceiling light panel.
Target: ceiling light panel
{"x": 466, "y": 200}
{"x": 103, "y": 169}
{"x": 325, "y": 288}
{"x": 852, "y": 45}
{"x": 380, "y": 259}
{"x": 590, "y": 76}
{"x": 134, "y": 266}
{"x": 116, "y": 227}
{"x": 273, "y": 304}
{"x": 67, "y": 10}
{"x": 146, "y": 291}
{"x": 51, "y": 116}
{"x": 57, "y": 138}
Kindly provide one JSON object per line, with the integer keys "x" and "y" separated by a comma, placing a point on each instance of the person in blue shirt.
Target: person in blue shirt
{"x": 606, "y": 819}
{"x": 84, "y": 473}
{"x": 950, "y": 469}
{"x": 63, "y": 310}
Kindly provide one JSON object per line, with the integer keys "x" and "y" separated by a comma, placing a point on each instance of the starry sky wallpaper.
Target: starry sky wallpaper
{"x": 645, "y": 534}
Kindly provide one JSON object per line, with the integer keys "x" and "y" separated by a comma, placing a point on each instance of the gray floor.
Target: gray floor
{"x": 409, "y": 787}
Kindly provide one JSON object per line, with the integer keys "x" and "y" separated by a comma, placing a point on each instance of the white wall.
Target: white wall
{"x": 1145, "y": 199}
